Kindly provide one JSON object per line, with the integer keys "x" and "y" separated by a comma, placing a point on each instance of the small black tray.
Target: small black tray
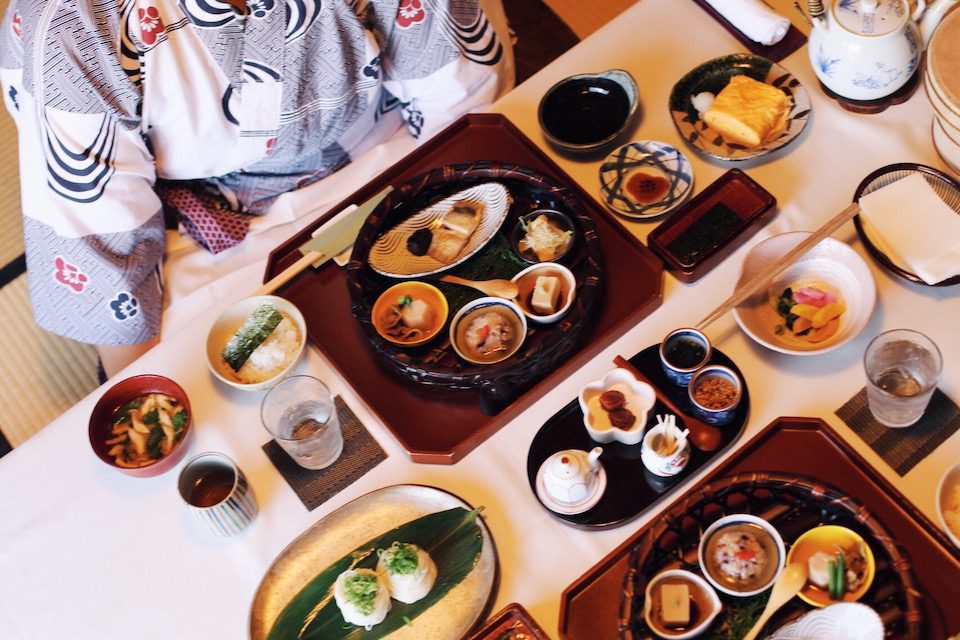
{"x": 631, "y": 489}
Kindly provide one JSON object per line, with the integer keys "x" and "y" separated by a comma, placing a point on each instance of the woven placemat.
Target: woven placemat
{"x": 361, "y": 452}
{"x": 903, "y": 448}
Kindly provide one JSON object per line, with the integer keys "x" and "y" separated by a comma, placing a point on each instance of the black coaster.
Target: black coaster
{"x": 360, "y": 454}
{"x": 903, "y": 448}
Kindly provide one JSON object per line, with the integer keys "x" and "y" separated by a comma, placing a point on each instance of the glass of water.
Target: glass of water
{"x": 903, "y": 368}
{"x": 300, "y": 415}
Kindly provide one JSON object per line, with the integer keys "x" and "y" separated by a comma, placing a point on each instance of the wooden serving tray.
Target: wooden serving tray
{"x": 591, "y": 606}
{"x": 441, "y": 426}
{"x": 513, "y": 622}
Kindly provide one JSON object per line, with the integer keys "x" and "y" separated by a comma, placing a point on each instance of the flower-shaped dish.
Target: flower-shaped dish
{"x": 829, "y": 538}
{"x": 832, "y": 265}
{"x": 645, "y": 179}
{"x": 712, "y": 76}
{"x": 105, "y": 413}
{"x": 230, "y": 321}
{"x": 639, "y": 398}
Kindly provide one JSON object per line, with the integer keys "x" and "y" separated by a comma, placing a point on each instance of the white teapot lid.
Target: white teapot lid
{"x": 871, "y": 17}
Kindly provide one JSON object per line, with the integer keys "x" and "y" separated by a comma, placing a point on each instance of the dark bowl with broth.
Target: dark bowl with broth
{"x": 527, "y": 281}
{"x": 704, "y": 604}
{"x": 586, "y": 112}
{"x": 741, "y": 554}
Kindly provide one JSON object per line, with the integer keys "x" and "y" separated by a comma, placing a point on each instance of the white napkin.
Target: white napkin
{"x": 754, "y": 19}
{"x": 917, "y": 226}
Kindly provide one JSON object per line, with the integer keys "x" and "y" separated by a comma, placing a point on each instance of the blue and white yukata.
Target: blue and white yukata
{"x": 111, "y": 95}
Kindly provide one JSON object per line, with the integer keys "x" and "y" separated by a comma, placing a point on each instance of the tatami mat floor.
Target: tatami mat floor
{"x": 43, "y": 374}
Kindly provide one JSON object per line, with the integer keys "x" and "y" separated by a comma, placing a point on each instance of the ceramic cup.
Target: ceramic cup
{"x": 663, "y": 465}
{"x": 218, "y": 494}
{"x": 682, "y": 353}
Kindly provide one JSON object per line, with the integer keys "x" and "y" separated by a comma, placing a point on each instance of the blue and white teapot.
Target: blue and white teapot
{"x": 868, "y": 49}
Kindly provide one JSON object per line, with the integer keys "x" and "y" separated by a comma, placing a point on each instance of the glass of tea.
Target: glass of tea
{"x": 300, "y": 414}
{"x": 218, "y": 494}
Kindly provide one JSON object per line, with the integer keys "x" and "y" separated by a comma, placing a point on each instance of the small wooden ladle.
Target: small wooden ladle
{"x": 703, "y": 436}
{"x": 497, "y": 287}
{"x": 789, "y": 584}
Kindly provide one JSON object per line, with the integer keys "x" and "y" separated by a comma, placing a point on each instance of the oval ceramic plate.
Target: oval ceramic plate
{"x": 652, "y": 158}
{"x": 831, "y": 263}
{"x": 353, "y": 524}
{"x": 827, "y": 538}
{"x": 850, "y": 620}
{"x": 389, "y": 254}
{"x": 944, "y": 185}
{"x": 713, "y": 76}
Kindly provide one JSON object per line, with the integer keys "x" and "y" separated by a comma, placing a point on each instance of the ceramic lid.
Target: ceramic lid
{"x": 857, "y": 16}
{"x": 943, "y": 58}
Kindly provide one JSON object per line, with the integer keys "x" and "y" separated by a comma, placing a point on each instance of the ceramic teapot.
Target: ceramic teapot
{"x": 868, "y": 49}
{"x": 570, "y": 475}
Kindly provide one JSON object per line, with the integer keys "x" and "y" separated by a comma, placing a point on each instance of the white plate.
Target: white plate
{"x": 652, "y": 158}
{"x": 841, "y": 621}
{"x": 713, "y": 76}
{"x": 389, "y": 254}
{"x": 353, "y": 524}
{"x": 831, "y": 262}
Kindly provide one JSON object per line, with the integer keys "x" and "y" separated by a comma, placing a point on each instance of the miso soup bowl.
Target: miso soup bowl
{"x": 460, "y": 325}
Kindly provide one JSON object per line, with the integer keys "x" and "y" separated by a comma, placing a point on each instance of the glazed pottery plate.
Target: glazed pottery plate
{"x": 829, "y": 538}
{"x": 830, "y": 265}
{"x": 945, "y": 186}
{"x": 712, "y": 76}
{"x": 843, "y": 620}
{"x": 353, "y": 524}
{"x": 656, "y": 169}
{"x": 390, "y": 256}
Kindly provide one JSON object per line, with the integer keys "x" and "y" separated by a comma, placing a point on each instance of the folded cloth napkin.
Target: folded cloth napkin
{"x": 916, "y": 226}
{"x": 754, "y": 19}
{"x": 205, "y": 215}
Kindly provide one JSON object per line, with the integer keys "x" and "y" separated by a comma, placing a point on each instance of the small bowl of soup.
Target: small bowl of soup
{"x": 741, "y": 554}
{"x": 679, "y": 604}
{"x": 546, "y": 291}
{"x": 488, "y": 330}
{"x": 410, "y": 314}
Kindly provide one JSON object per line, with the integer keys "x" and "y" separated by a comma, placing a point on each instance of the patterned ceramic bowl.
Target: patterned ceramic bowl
{"x": 645, "y": 179}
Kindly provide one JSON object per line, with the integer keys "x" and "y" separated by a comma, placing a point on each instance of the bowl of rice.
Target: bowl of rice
{"x": 256, "y": 341}
{"x": 948, "y": 503}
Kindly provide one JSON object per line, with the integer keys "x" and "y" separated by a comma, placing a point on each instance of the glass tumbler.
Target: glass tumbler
{"x": 903, "y": 368}
{"x": 300, "y": 414}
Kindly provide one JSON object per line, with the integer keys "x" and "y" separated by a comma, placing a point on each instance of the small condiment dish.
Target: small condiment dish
{"x": 665, "y": 450}
{"x": 829, "y": 538}
{"x": 708, "y": 400}
{"x": 706, "y": 605}
{"x": 105, "y": 412}
{"x": 527, "y": 283}
{"x": 638, "y": 399}
{"x": 558, "y": 219}
{"x": 461, "y": 334}
{"x": 948, "y": 503}
{"x": 381, "y": 317}
{"x": 682, "y": 352}
{"x": 227, "y": 325}
{"x": 645, "y": 179}
{"x": 760, "y": 575}
{"x": 571, "y": 481}
{"x": 586, "y": 112}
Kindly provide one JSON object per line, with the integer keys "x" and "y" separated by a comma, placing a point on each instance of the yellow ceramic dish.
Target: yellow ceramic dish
{"x": 827, "y": 538}
{"x": 416, "y": 290}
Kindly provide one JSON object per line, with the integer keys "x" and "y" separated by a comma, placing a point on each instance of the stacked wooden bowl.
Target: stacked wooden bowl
{"x": 942, "y": 80}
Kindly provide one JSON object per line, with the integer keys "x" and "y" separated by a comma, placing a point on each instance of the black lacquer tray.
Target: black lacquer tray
{"x": 631, "y": 488}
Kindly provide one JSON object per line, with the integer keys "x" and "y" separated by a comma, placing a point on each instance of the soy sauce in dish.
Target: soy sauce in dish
{"x": 685, "y": 354}
{"x": 586, "y": 110}
{"x": 646, "y": 189}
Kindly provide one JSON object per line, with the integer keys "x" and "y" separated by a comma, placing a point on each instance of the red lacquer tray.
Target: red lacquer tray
{"x": 590, "y": 607}
{"x": 441, "y": 426}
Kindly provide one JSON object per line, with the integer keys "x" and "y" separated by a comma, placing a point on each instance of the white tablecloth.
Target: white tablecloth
{"x": 86, "y": 552}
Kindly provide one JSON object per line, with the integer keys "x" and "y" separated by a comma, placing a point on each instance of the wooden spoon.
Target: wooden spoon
{"x": 703, "y": 436}
{"x": 498, "y": 288}
{"x": 789, "y": 583}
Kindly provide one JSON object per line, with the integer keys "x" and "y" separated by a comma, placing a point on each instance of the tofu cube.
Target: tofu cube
{"x": 675, "y": 605}
{"x": 546, "y": 295}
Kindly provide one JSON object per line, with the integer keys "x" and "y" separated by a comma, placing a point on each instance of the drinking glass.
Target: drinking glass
{"x": 903, "y": 368}
{"x": 299, "y": 413}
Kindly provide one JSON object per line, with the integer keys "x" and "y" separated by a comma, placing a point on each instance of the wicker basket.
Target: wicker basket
{"x": 545, "y": 348}
{"x": 793, "y": 505}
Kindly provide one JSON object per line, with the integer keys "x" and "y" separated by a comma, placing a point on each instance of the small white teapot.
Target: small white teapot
{"x": 868, "y": 49}
{"x": 570, "y": 476}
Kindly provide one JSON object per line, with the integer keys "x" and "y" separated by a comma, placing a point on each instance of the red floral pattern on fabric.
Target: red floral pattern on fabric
{"x": 150, "y": 24}
{"x": 17, "y": 25}
{"x": 410, "y": 13}
{"x": 69, "y": 275}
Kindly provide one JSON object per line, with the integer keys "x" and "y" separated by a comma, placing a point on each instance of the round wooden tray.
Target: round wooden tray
{"x": 793, "y": 505}
{"x": 546, "y": 347}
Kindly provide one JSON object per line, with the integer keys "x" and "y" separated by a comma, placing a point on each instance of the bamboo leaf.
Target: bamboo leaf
{"x": 452, "y": 538}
